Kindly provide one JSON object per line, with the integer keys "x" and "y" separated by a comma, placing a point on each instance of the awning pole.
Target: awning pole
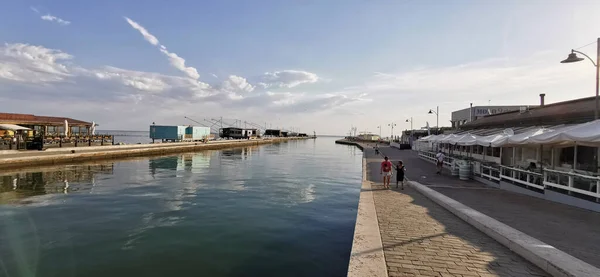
{"x": 575, "y": 156}
{"x": 541, "y": 161}
{"x": 514, "y": 162}
{"x": 552, "y": 157}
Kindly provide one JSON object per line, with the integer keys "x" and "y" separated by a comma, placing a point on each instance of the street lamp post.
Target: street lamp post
{"x": 437, "y": 113}
{"x": 379, "y": 127}
{"x": 411, "y": 131}
{"x": 392, "y": 135}
{"x": 573, "y": 58}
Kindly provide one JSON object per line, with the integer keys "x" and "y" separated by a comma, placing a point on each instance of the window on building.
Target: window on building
{"x": 52, "y": 130}
{"x": 495, "y": 151}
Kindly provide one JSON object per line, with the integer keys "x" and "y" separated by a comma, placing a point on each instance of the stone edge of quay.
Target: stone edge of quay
{"x": 367, "y": 257}
{"x": 61, "y": 158}
{"x": 550, "y": 259}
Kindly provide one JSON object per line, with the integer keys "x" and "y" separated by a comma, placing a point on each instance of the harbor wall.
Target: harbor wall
{"x": 35, "y": 158}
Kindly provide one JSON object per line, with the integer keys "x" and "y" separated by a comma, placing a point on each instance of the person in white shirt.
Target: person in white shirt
{"x": 440, "y": 161}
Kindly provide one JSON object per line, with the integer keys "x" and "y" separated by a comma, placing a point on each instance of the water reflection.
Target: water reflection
{"x": 20, "y": 184}
{"x": 231, "y": 170}
{"x": 211, "y": 213}
{"x": 239, "y": 153}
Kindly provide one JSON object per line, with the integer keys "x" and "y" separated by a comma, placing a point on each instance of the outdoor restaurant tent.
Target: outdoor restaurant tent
{"x": 587, "y": 133}
{"x": 582, "y": 134}
{"x": 466, "y": 140}
{"x": 495, "y": 140}
{"x": 525, "y": 137}
{"x": 12, "y": 127}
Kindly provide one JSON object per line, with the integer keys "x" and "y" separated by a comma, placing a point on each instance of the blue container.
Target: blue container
{"x": 174, "y": 133}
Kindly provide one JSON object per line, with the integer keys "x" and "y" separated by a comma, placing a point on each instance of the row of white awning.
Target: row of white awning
{"x": 12, "y": 127}
{"x": 582, "y": 134}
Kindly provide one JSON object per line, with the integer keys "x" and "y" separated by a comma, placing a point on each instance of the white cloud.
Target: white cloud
{"x": 52, "y": 18}
{"x": 126, "y": 97}
{"x": 488, "y": 78}
{"x": 287, "y": 78}
{"x": 174, "y": 59}
{"x": 237, "y": 84}
{"x": 147, "y": 36}
{"x": 33, "y": 64}
{"x": 179, "y": 63}
{"x": 143, "y": 81}
{"x": 34, "y": 9}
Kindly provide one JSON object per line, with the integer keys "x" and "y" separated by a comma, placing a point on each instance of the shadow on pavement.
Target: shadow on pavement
{"x": 414, "y": 227}
{"x": 542, "y": 219}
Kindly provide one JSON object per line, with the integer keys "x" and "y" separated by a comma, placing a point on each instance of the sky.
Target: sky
{"x": 307, "y": 65}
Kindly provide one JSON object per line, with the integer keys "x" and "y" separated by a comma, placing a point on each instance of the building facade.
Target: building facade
{"x": 549, "y": 151}
{"x": 370, "y": 137}
{"x": 467, "y": 115}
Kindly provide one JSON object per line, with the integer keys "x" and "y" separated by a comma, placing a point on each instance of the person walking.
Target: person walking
{"x": 440, "y": 161}
{"x": 386, "y": 171}
{"x": 400, "y": 174}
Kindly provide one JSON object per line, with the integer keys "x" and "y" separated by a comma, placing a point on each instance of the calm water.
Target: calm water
{"x": 275, "y": 210}
{"x": 129, "y": 137}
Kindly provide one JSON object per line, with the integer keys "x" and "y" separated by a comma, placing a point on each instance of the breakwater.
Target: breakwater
{"x": 71, "y": 155}
{"x": 358, "y": 144}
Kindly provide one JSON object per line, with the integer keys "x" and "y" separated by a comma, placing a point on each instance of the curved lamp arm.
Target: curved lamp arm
{"x": 591, "y": 60}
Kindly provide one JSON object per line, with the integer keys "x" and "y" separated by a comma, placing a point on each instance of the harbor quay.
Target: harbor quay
{"x": 14, "y": 158}
{"x": 442, "y": 226}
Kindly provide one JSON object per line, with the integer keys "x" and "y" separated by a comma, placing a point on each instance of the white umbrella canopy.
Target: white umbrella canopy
{"x": 466, "y": 140}
{"x": 586, "y": 133}
{"x": 66, "y": 128}
{"x": 93, "y": 130}
{"x": 550, "y": 136}
{"x": 495, "y": 140}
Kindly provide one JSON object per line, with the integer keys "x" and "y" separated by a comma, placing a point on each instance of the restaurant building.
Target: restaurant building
{"x": 48, "y": 125}
{"x": 548, "y": 151}
{"x": 28, "y": 131}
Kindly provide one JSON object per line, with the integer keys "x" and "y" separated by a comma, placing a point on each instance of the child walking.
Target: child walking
{"x": 400, "y": 174}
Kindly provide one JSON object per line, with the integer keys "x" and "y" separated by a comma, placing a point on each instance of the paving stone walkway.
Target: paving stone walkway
{"x": 421, "y": 238}
{"x": 570, "y": 229}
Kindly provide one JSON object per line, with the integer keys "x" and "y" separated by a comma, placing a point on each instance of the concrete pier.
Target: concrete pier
{"x": 427, "y": 229}
{"x": 70, "y": 155}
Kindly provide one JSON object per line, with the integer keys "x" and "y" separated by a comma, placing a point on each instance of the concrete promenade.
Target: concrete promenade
{"x": 421, "y": 238}
{"x": 15, "y": 159}
{"x": 570, "y": 229}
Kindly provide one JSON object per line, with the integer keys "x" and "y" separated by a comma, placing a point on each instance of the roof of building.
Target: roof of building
{"x": 488, "y": 107}
{"x": 30, "y": 119}
{"x": 568, "y": 112}
{"x": 231, "y": 128}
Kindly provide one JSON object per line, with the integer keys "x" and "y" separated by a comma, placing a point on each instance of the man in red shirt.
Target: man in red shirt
{"x": 386, "y": 171}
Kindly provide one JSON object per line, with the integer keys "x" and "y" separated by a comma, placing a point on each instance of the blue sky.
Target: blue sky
{"x": 322, "y": 65}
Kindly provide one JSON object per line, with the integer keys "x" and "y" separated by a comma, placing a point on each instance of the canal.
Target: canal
{"x": 286, "y": 209}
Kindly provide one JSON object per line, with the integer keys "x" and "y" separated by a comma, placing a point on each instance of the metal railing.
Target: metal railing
{"x": 521, "y": 176}
{"x": 448, "y": 161}
{"x": 570, "y": 181}
{"x": 489, "y": 172}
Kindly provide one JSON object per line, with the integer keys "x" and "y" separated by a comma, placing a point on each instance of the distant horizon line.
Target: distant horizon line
{"x": 149, "y": 131}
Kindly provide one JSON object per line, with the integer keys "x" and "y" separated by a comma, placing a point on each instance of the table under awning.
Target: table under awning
{"x": 12, "y": 127}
